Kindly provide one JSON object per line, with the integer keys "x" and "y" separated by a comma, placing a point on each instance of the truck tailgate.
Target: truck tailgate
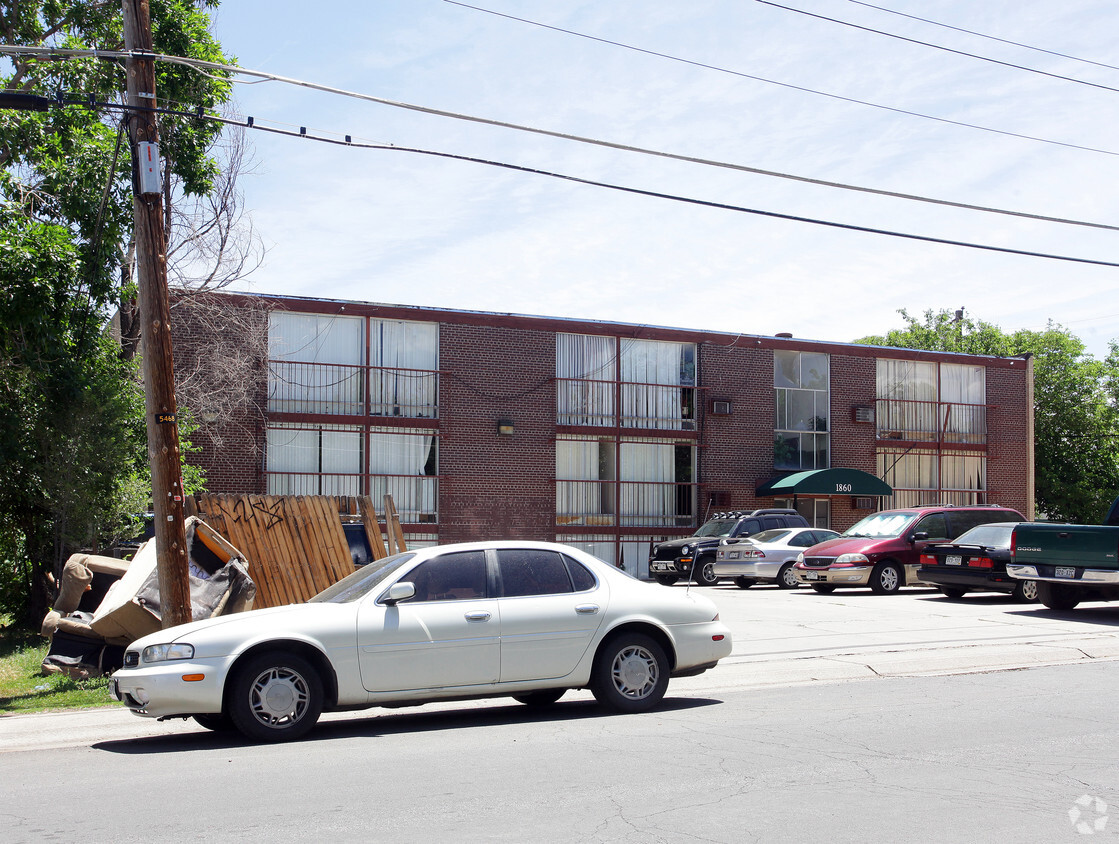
{"x": 1092, "y": 546}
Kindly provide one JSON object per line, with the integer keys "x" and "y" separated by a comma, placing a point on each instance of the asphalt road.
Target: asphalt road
{"x": 848, "y": 717}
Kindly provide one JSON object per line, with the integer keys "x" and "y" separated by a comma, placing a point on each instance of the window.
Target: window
{"x": 403, "y": 359}
{"x": 658, "y": 385}
{"x": 403, "y": 463}
{"x": 532, "y": 572}
{"x": 459, "y": 576}
{"x": 816, "y": 511}
{"x": 580, "y": 577}
{"x": 585, "y": 380}
{"x": 927, "y": 402}
{"x": 315, "y": 363}
{"x": 935, "y": 525}
{"x": 934, "y": 477}
{"x": 801, "y": 385}
{"x": 313, "y": 460}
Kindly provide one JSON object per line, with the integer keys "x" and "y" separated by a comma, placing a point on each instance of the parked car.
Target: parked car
{"x": 524, "y": 619}
{"x": 767, "y": 556}
{"x": 883, "y": 551}
{"x": 975, "y": 562}
{"x": 693, "y": 557}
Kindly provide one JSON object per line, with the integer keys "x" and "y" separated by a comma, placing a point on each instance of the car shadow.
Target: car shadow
{"x": 385, "y": 721}
{"x": 1093, "y": 615}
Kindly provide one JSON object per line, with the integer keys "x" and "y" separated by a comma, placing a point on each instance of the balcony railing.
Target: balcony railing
{"x": 416, "y": 498}
{"x": 625, "y": 503}
{"x": 665, "y": 407}
{"x": 352, "y": 390}
{"x": 931, "y": 421}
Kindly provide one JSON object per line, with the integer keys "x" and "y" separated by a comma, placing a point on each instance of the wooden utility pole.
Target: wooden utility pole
{"x": 155, "y": 320}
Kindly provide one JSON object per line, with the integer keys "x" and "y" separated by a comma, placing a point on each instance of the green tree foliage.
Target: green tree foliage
{"x": 1076, "y": 423}
{"x": 73, "y": 455}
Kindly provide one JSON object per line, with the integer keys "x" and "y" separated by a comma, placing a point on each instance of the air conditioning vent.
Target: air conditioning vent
{"x": 863, "y": 413}
{"x": 721, "y": 408}
{"x": 863, "y": 503}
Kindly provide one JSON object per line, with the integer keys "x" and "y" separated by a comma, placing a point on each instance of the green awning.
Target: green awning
{"x": 826, "y": 482}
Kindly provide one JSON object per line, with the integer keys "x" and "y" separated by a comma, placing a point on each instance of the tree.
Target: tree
{"x": 72, "y": 444}
{"x": 1076, "y": 423}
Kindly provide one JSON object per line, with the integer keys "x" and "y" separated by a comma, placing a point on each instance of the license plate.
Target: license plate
{"x": 1064, "y": 571}
{"x": 954, "y": 560}
{"x": 811, "y": 575}
{"x": 663, "y": 567}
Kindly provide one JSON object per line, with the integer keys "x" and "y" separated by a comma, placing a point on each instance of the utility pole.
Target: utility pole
{"x": 155, "y": 320}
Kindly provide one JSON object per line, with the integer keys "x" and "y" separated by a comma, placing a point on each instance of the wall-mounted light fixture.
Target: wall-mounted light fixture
{"x": 505, "y": 427}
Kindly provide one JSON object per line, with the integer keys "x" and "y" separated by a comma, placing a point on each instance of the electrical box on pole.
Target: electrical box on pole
{"x": 148, "y": 164}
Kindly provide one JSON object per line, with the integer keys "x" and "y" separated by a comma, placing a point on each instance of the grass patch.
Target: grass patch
{"x": 23, "y": 686}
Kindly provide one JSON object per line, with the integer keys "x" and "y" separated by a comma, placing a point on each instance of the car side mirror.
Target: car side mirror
{"x": 399, "y": 592}
{"x": 920, "y": 536}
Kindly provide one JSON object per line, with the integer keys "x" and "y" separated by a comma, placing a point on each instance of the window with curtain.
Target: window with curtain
{"x": 585, "y": 474}
{"x": 658, "y": 384}
{"x": 801, "y": 384}
{"x": 315, "y": 363}
{"x": 907, "y": 400}
{"x": 313, "y": 460}
{"x": 963, "y": 393}
{"x": 404, "y": 463}
{"x": 585, "y": 379}
{"x": 404, "y": 357}
{"x": 914, "y": 476}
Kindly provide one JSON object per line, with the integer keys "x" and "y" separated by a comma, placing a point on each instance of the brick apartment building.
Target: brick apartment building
{"x": 603, "y": 435}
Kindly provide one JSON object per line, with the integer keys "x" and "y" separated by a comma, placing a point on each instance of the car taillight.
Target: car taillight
{"x": 981, "y": 563}
{"x": 1013, "y": 542}
{"x": 928, "y": 560}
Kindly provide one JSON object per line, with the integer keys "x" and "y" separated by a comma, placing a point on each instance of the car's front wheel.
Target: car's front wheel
{"x": 885, "y": 579}
{"x": 1025, "y": 591}
{"x": 704, "y": 573}
{"x": 630, "y": 673}
{"x": 276, "y": 696}
{"x": 787, "y": 578}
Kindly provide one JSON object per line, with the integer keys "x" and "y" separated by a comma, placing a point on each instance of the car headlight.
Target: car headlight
{"x": 685, "y": 549}
{"x": 800, "y": 557}
{"x": 162, "y": 653}
{"x": 851, "y": 559}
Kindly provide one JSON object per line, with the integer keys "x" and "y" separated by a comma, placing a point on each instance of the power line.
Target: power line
{"x": 937, "y": 46}
{"x": 788, "y": 85}
{"x": 985, "y": 35}
{"x": 199, "y": 63}
{"x": 349, "y": 142}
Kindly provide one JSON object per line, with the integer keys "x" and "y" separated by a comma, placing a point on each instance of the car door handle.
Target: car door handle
{"x": 479, "y": 615}
{"x": 587, "y": 609}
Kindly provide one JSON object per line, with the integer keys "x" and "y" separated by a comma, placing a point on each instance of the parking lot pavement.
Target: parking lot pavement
{"x": 792, "y": 636}
{"x": 782, "y": 637}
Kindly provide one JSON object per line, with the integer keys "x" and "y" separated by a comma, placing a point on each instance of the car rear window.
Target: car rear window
{"x": 531, "y": 571}
{"x": 992, "y": 536}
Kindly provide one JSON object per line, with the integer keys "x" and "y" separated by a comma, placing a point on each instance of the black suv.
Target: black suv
{"x": 694, "y": 556}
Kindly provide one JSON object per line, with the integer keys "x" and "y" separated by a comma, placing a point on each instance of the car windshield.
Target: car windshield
{"x": 770, "y": 535}
{"x": 882, "y": 524}
{"x": 363, "y": 581}
{"x": 717, "y": 527}
{"x": 990, "y": 536}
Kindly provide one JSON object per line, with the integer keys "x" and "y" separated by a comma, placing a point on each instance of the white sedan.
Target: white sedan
{"x": 524, "y": 619}
{"x": 768, "y": 555}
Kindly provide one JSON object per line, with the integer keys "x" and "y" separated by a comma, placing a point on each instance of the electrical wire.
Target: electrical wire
{"x": 938, "y": 46}
{"x": 790, "y": 86}
{"x": 199, "y": 63}
{"x": 984, "y": 35}
{"x": 654, "y": 194}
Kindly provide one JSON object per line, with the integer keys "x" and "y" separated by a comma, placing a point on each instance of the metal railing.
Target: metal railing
{"x": 352, "y": 390}
{"x": 931, "y": 421}
{"x": 416, "y": 497}
{"x": 625, "y": 503}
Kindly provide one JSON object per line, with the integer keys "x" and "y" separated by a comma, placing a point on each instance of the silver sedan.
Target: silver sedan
{"x": 767, "y": 556}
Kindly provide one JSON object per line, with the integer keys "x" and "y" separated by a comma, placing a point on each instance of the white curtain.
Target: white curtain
{"x": 401, "y": 459}
{"x": 907, "y": 399}
{"x": 584, "y": 379}
{"x": 646, "y": 364}
{"x": 965, "y": 387}
{"x": 648, "y": 482}
{"x": 579, "y": 492}
{"x": 313, "y": 461}
{"x": 341, "y": 462}
{"x": 315, "y": 363}
{"x": 400, "y": 346}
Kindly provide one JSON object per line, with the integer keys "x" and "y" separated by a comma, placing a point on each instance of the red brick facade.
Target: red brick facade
{"x": 502, "y": 367}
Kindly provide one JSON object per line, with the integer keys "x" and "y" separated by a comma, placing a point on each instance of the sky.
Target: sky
{"x": 741, "y": 82}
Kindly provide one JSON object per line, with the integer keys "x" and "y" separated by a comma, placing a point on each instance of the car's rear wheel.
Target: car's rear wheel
{"x": 666, "y": 579}
{"x": 219, "y": 723}
{"x": 630, "y": 673}
{"x": 952, "y": 592}
{"x": 823, "y": 588}
{"x": 704, "y": 573}
{"x": 546, "y": 697}
{"x": 276, "y": 696}
{"x": 1025, "y": 591}
{"x": 787, "y": 578}
{"x": 885, "y": 579}
{"x": 744, "y": 582}
{"x": 1056, "y": 596}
